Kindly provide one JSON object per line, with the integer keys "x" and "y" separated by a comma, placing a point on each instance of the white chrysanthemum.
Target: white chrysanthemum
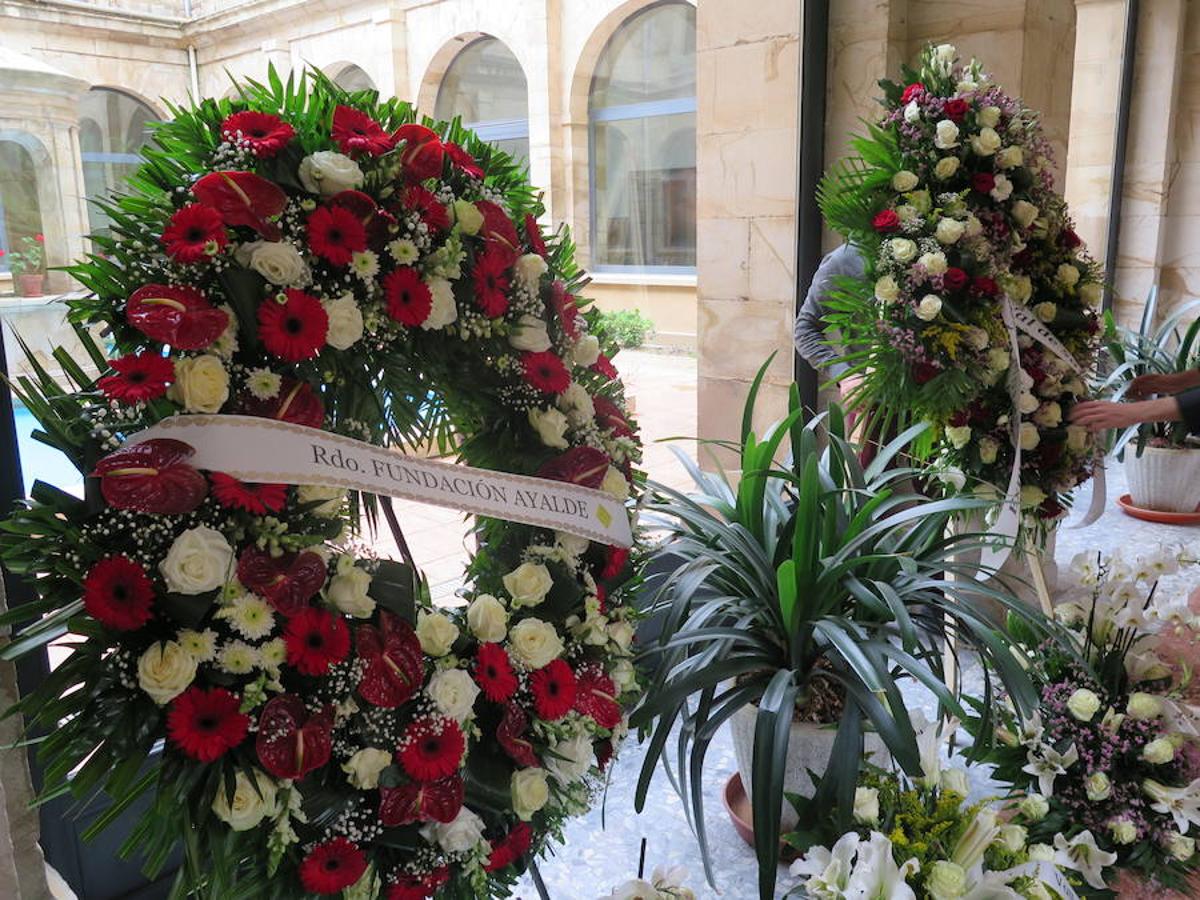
{"x": 263, "y": 383}
{"x": 237, "y": 658}
{"x": 273, "y": 654}
{"x": 403, "y": 251}
{"x": 202, "y": 645}
{"x": 365, "y": 264}
{"x": 249, "y": 616}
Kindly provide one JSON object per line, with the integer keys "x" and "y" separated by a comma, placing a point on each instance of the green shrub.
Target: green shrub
{"x": 628, "y": 327}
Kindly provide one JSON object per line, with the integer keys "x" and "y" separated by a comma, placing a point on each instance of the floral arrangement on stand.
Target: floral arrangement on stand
{"x": 951, "y": 202}
{"x": 1112, "y": 754}
{"x": 919, "y": 838}
{"x": 323, "y": 259}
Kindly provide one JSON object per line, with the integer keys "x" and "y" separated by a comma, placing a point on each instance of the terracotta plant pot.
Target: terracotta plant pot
{"x": 30, "y": 285}
{"x": 1164, "y": 478}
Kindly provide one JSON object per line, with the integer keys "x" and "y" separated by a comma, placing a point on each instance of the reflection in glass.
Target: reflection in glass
{"x": 352, "y": 78}
{"x": 486, "y": 86}
{"x": 20, "y": 211}
{"x": 113, "y": 127}
{"x": 642, "y": 118}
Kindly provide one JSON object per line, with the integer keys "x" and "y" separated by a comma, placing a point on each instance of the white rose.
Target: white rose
{"x": 904, "y": 181}
{"x": 436, "y": 633}
{"x": 444, "y": 311}
{"x": 903, "y": 250}
{"x": 534, "y": 642}
{"x": 586, "y": 351}
{"x": 530, "y": 792}
{"x": 977, "y": 337}
{"x": 200, "y": 560}
{"x": 933, "y": 263}
{"x": 621, "y": 633}
{"x": 1077, "y": 438}
{"x": 866, "y": 805}
{"x": 572, "y": 545}
{"x": 278, "y": 262}
{"x": 1045, "y": 311}
{"x": 528, "y": 584}
{"x": 1010, "y": 158}
{"x": 1031, "y": 496}
{"x": 453, "y": 692}
{"x": 949, "y": 230}
{"x": 912, "y": 112}
{"x": 328, "y": 173}
{"x": 1034, "y": 807}
{"x": 986, "y": 142}
{"x": 886, "y": 289}
{"x": 468, "y": 217}
{"x": 201, "y": 383}
{"x": 1002, "y": 189}
{"x": 363, "y": 767}
{"x": 348, "y": 592}
{"x": 487, "y": 618}
{"x": 529, "y": 333}
{"x": 568, "y": 761}
{"x": 1144, "y": 706}
{"x": 1027, "y": 403}
{"x": 1024, "y": 212}
{"x": 947, "y": 135}
{"x": 1097, "y": 786}
{"x": 1083, "y": 704}
{"x": 577, "y": 403}
{"x": 988, "y": 448}
{"x": 1029, "y": 437}
{"x": 929, "y": 307}
{"x": 945, "y": 53}
{"x": 529, "y": 270}
{"x": 1067, "y": 275}
{"x": 624, "y": 675}
{"x": 1090, "y": 292}
{"x": 331, "y": 498}
{"x": 614, "y": 484}
{"x": 460, "y": 836}
{"x": 253, "y": 801}
{"x": 946, "y": 880}
{"x": 988, "y": 117}
{"x": 1181, "y": 847}
{"x": 1048, "y": 415}
{"x": 165, "y": 670}
{"x": 345, "y": 322}
{"x": 955, "y": 779}
{"x": 551, "y": 426}
{"x": 1158, "y": 752}
{"x": 1041, "y": 853}
{"x": 1013, "y": 837}
{"x": 946, "y": 168}
{"x": 958, "y": 435}
{"x": 1123, "y": 831}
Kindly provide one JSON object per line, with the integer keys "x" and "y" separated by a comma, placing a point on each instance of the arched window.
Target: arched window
{"x": 352, "y": 78}
{"x": 642, "y": 126}
{"x": 486, "y": 86}
{"x": 113, "y": 127}
{"x": 20, "y": 210}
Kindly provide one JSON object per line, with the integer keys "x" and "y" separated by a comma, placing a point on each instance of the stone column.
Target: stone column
{"x": 394, "y": 80}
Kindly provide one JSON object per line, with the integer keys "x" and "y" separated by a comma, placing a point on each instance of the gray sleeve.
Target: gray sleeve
{"x": 812, "y": 333}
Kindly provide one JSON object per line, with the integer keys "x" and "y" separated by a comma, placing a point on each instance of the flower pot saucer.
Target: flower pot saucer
{"x": 737, "y": 805}
{"x": 1160, "y": 517}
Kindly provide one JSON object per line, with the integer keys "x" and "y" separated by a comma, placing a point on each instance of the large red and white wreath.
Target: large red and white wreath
{"x": 322, "y": 259}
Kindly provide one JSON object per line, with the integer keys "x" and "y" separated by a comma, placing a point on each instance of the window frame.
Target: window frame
{"x": 491, "y": 130}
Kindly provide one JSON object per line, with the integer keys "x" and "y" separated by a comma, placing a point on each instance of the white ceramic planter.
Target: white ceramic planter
{"x": 809, "y": 747}
{"x": 1164, "y": 478}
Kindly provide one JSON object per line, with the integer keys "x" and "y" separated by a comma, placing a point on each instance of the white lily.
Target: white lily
{"x": 1083, "y": 855}
{"x": 828, "y": 869}
{"x": 876, "y": 875}
{"x": 1031, "y": 730}
{"x": 1181, "y": 804}
{"x": 1046, "y": 764}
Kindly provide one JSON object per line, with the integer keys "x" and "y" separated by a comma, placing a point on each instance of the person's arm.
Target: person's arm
{"x": 1099, "y": 415}
{"x": 1189, "y": 409}
{"x": 1164, "y": 383}
{"x": 809, "y": 333}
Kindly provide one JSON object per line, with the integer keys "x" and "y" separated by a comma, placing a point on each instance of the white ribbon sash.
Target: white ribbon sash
{"x": 264, "y": 450}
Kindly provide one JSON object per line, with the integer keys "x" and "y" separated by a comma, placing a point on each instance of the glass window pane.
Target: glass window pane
{"x": 484, "y": 83}
{"x": 652, "y": 57}
{"x": 352, "y": 78}
{"x": 20, "y": 211}
{"x": 113, "y": 127}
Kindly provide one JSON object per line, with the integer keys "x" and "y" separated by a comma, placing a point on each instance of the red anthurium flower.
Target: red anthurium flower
{"x": 566, "y": 308}
{"x": 533, "y": 234}
{"x": 195, "y": 234}
{"x": 494, "y": 673}
{"x": 497, "y": 226}
{"x": 332, "y": 867}
{"x": 418, "y": 887}
{"x": 395, "y": 663}
{"x": 585, "y": 466}
{"x": 462, "y": 160}
{"x": 206, "y": 724}
{"x": 510, "y": 734}
{"x": 604, "y": 366}
{"x": 243, "y": 198}
{"x": 175, "y": 315}
{"x": 491, "y": 282}
{"x": 356, "y": 133}
{"x": 409, "y": 300}
{"x": 287, "y": 582}
{"x": 421, "y": 151}
{"x": 924, "y": 372}
{"x": 546, "y": 372}
{"x": 295, "y": 329}
{"x": 291, "y": 742}
{"x": 263, "y": 133}
{"x": 335, "y": 234}
{"x": 431, "y": 748}
{"x": 956, "y": 109}
{"x": 886, "y": 221}
{"x": 912, "y": 92}
{"x": 118, "y": 593}
{"x": 258, "y": 499}
{"x": 137, "y": 378}
{"x": 297, "y": 402}
{"x": 421, "y": 801}
{"x": 317, "y": 640}
{"x": 615, "y": 559}
{"x": 609, "y": 415}
{"x": 604, "y": 753}
{"x": 553, "y": 688}
{"x": 152, "y": 477}
{"x": 433, "y": 211}
{"x": 596, "y": 696}
{"x": 510, "y": 848}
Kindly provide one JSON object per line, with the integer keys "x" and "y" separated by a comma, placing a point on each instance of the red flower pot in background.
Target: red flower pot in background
{"x": 30, "y": 285}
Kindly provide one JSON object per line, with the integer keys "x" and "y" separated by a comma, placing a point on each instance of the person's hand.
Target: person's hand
{"x": 1158, "y": 383}
{"x": 1099, "y": 415}
{"x": 848, "y": 385}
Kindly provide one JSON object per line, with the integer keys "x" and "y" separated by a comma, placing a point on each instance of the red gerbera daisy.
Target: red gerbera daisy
{"x": 137, "y": 377}
{"x": 335, "y": 234}
{"x": 510, "y": 848}
{"x": 494, "y": 673}
{"x": 433, "y": 211}
{"x": 614, "y": 562}
{"x": 196, "y": 233}
{"x": 118, "y": 593}
{"x": 553, "y": 688}
{"x": 316, "y": 640}
{"x": 431, "y": 748}
{"x": 418, "y": 887}
{"x": 206, "y": 724}
{"x": 546, "y": 372}
{"x": 264, "y": 133}
{"x": 332, "y": 866}
{"x": 409, "y": 300}
{"x": 356, "y": 132}
{"x": 258, "y": 499}
{"x": 294, "y": 329}
{"x": 462, "y": 159}
{"x": 491, "y": 282}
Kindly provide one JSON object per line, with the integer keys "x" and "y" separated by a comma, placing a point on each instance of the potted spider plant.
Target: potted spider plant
{"x": 1164, "y": 468}
{"x": 798, "y": 601}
